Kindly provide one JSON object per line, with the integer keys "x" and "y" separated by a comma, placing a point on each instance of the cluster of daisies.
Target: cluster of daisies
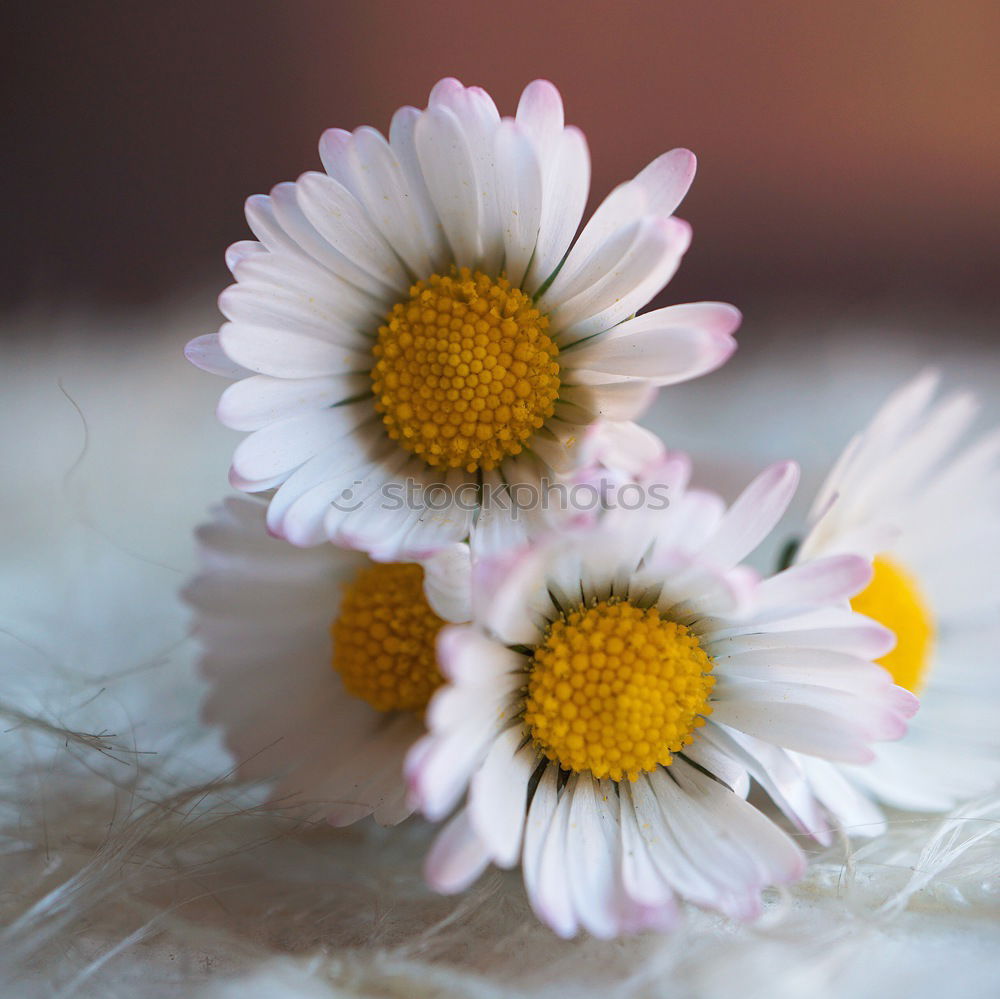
{"x": 588, "y": 694}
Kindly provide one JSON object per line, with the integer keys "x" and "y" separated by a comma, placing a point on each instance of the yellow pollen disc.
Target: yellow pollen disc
{"x": 383, "y": 638}
{"x": 465, "y": 371}
{"x": 894, "y": 600}
{"x": 616, "y": 690}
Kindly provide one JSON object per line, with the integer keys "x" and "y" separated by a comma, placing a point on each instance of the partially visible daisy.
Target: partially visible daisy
{"x": 599, "y": 708}
{"x": 320, "y": 662}
{"x": 421, "y": 313}
{"x": 907, "y": 493}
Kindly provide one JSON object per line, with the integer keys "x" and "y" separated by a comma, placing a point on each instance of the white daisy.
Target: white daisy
{"x": 320, "y": 662}
{"x": 417, "y": 312}
{"x": 927, "y": 510}
{"x": 599, "y": 708}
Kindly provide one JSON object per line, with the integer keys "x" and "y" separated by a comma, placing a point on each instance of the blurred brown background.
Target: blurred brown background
{"x": 849, "y": 152}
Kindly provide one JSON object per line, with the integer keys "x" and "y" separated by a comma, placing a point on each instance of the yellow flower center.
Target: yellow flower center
{"x": 893, "y": 599}
{"x": 384, "y": 636}
{"x": 615, "y": 689}
{"x": 465, "y": 370}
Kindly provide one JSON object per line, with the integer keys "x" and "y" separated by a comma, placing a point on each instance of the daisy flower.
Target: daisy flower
{"x": 926, "y": 509}
{"x": 419, "y": 313}
{"x": 598, "y": 710}
{"x": 320, "y": 662}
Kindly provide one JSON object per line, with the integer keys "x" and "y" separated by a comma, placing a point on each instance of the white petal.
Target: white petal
{"x": 818, "y": 582}
{"x": 506, "y": 594}
{"x": 667, "y": 180}
{"x": 540, "y": 112}
{"x": 691, "y": 592}
{"x": 555, "y": 444}
{"x": 591, "y": 855}
{"x": 402, "y": 140}
{"x": 642, "y": 882}
{"x": 345, "y": 225}
{"x": 618, "y": 402}
{"x": 777, "y": 771}
{"x": 260, "y": 602}
{"x": 430, "y": 527}
{"x": 487, "y": 697}
{"x": 665, "y": 852}
{"x": 914, "y": 459}
{"x": 288, "y": 354}
{"x": 288, "y": 309}
{"x": 443, "y": 769}
{"x": 653, "y": 347}
{"x": 733, "y": 881}
{"x": 852, "y": 633}
{"x": 566, "y": 180}
{"x": 394, "y": 808}
{"x": 284, "y": 286}
{"x": 553, "y": 899}
{"x": 372, "y": 513}
{"x": 541, "y": 813}
{"x": 366, "y": 164}
{"x": 519, "y": 196}
{"x": 335, "y": 146}
{"x": 642, "y": 270}
{"x": 457, "y": 857}
{"x": 926, "y": 775}
{"x": 818, "y": 667}
{"x": 206, "y": 352}
{"x": 255, "y": 402}
{"x": 294, "y": 602}
{"x": 263, "y": 221}
{"x": 498, "y": 795}
{"x": 448, "y": 170}
{"x": 479, "y": 119}
{"x": 286, "y": 202}
{"x": 393, "y": 518}
{"x": 338, "y": 468}
{"x": 465, "y": 654}
{"x": 495, "y": 529}
{"x": 237, "y": 481}
{"x": 280, "y": 448}
{"x": 719, "y": 764}
{"x": 754, "y": 514}
{"x": 447, "y": 583}
{"x": 621, "y": 448}
{"x": 775, "y": 855}
{"x": 897, "y": 415}
{"x": 656, "y": 191}
{"x": 350, "y": 476}
{"x": 380, "y": 781}
{"x": 580, "y": 273}
{"x": 690, "y": 519}
{"x": 820, "y": 722}
{"x": 854, "y": 811}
